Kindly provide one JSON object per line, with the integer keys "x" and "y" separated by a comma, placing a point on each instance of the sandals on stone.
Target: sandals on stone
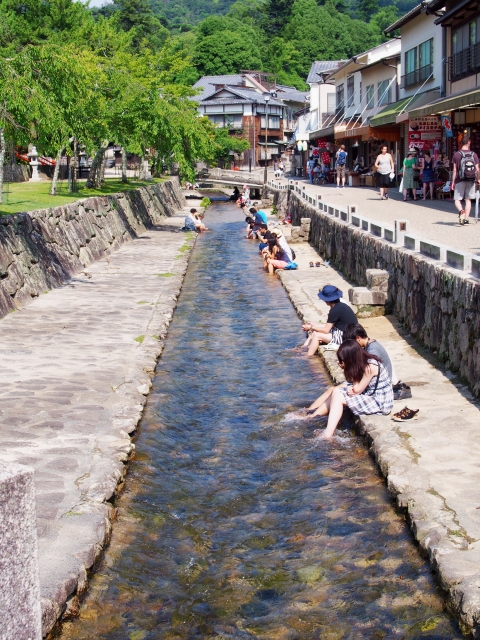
{"x": 401, "y": 391}
{"x": 311, "y": 264}
{"x": 317, "y": 264}
{"x": 405, "y": 415}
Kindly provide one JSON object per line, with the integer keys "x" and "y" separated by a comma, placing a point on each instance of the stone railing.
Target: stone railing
{"x": 434, "y": 290}
{"x": 40, "y": 250}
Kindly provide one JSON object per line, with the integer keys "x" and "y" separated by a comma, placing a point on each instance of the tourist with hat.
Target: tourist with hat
{"x": 331, "y": 332}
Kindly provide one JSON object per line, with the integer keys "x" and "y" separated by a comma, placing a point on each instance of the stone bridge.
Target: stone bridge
{"x": 234, "y": 178}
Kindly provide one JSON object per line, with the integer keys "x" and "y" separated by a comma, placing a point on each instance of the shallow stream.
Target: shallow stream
{"x": 235, "y": 521}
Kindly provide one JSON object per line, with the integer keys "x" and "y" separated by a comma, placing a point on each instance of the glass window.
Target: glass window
{"x": 370, "y": 96}
{"x": 340, "y": 97}
{"x": 234, "y": 121}
{"x": 360, "y": 93}
{"x": 330, "y": 103}
{"x": 273, "y": 122}
{"x": 384, "y": 92}
{"x": 217, "y": 120}
{"x": 350, "y": 91}
{"x": 426, "y": 53}
{"x": 411, "y": 60}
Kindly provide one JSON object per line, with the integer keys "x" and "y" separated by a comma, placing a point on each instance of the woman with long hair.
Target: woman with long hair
{"x": 368, "y": 389}
{"x": 274, "y": 256}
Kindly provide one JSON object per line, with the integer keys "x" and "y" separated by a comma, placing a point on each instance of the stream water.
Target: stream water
{"x": 236, "y": 522}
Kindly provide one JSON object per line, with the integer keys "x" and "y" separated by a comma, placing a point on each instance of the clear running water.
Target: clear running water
{"x": 236, "y": 522}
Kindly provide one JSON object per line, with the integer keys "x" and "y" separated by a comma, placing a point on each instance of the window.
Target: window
{"x": 418, "y": 64}
{"x": 232, "y": 121}
{"x": 384, "y": 92}
{"x": 465, "y": 60}
{"x": 340, "y": 106}
{"x": 350, "y": 91}
{"x": 370, "y": 96}
{"x": 360, "y": 93}
{"x": 330, "y": 103}
{"x": 314, "y": 120}
{"x": 273, "y": 122}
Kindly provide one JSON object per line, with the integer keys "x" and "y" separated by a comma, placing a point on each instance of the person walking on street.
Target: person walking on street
{"x": 385, "y": 167}
{"x": 428, "y": 177}
{"x": 310, "y": 168}
{"x": 465, "y": 174}
{"x": 341, "y": 165}
{"x": 408, "y": 175}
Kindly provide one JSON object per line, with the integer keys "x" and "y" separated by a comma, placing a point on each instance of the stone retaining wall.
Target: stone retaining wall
{"x": 41, "y": 249}
{"x": 16, "y": 173}
{"x": 438, "y": 305}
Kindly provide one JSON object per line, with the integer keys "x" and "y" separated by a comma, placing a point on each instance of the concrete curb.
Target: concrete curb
{"x": 453, "y": 556}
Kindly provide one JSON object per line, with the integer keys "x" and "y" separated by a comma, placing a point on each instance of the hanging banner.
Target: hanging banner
{"x": 424, "y": 129}
{"x": 447, "y": 125}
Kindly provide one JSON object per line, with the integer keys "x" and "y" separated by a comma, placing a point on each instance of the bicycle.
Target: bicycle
{"x": 320, "y": 179}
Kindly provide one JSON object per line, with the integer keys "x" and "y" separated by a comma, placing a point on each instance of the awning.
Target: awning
{"x": 388, "y": 133}
{"x": 322, "y": 133}
{"x": 389, "y": 114}
{"x": 460, "y": 100}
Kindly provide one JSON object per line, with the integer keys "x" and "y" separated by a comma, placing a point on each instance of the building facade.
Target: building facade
{"x": 253, "y": 106}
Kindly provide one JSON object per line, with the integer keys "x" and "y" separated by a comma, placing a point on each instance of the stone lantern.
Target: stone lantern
{"x": 33, "y": 155}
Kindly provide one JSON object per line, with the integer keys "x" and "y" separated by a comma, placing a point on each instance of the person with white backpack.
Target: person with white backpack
{"x": 466, "y": 173}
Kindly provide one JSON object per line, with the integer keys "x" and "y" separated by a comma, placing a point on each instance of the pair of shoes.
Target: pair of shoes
{"x": 311, "y": 264}
{"x": 331, "y": 347}
{"x": 386, "y": 197}
{"x": 461, "y": 217}
{"x": 405, "y": 414}
{"x": 317, "y": 264}
{"x": 401, "y": 391}
{"x": 338, "y": 186}
{"x": 404, "y": 199}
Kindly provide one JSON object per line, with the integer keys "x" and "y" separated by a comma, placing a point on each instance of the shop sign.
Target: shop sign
{"x": 447, "y": 125}
{"x": 424, "y": 129}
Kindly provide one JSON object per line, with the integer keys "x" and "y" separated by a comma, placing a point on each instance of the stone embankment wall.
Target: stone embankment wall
{"x": 40, "y": 250}
{"x": 438, "y": 305}
{"x": 16, "y": 173}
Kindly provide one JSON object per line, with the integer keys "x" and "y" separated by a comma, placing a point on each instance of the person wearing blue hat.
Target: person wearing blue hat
{"x": 331, "y": 332}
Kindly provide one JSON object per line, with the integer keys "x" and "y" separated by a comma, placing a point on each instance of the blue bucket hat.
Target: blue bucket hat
{"x": 329, "y": 293}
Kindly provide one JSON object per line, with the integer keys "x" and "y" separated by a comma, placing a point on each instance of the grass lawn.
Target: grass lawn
{"x": 27, "y": 196}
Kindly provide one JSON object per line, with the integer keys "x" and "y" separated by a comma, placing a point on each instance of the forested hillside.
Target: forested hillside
{"x": 276, "y": 36}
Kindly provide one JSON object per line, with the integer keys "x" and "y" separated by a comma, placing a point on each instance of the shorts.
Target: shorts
{"x": 341, "y": 171}
{"x": 464, "y": 191}
{"x": 262, "y": 246}
{"x": 337, "y": 336}
{"x": 278, "y": 264}
{"x": 382, "y": 180}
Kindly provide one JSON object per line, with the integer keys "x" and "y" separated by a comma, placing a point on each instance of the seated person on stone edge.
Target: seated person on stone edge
{"x": 358, "y": 333}
{"x": 192, "y": 223}
{"x": 259, "y": 216}
{"x": 367, "y": 390}
{"x": 274, "y": 257}
{"x": 331, "y": 332}
{"x": 283, "y": 243}
{"x": 252, "y": 228}
{"x": 264, "y": 235}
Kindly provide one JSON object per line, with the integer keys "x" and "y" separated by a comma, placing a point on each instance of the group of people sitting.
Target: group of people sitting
{"x": 366, "y": 365}
{"x": 194, "y": 222}
{"x": 273, "y": 247}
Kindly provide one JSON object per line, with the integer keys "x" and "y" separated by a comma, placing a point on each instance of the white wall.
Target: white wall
{"x": 415, "y": 32}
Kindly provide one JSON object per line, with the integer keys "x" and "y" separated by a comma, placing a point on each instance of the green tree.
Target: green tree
{"x": 226, "y": 52}
{"x": 366, "y": 9}
{"x": 223, "y": 143}
{"x": 277, "y": 13}
{"x": 137, "y": 17}
{"x": 384, "y": 18}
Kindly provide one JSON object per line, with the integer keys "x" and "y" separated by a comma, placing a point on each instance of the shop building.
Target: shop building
{"x": 421, "y": 80}
{"x": 459, "y": 106}
{"x": 366, "y": 85}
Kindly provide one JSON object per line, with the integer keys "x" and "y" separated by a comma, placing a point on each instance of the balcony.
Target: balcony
{"x": 465, "y": 63}
{"x": 417, "y": 76}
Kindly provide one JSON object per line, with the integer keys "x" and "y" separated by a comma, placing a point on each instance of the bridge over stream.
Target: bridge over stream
{"x": 228, "y": 177}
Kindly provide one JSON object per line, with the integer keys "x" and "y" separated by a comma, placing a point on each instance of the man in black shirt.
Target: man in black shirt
{"x": 263, "y": 234}
{"x": 339, "y": 316}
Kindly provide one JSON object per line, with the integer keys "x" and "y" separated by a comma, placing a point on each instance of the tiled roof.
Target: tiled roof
{"x": 207, "y": 84}
{"x": 423, "y": 7}
{"x": 320, "y": 66}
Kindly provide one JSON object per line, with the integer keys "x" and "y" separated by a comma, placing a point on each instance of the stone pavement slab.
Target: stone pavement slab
{"x": 435, "y": 220}
{"x": 76, "y": 368}
{"x": 431, "y": 464}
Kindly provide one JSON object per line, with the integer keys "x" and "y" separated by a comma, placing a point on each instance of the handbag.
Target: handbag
{"x": 400, "y": 188}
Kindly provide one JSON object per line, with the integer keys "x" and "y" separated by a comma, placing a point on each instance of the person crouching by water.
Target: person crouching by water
{"x": 331, "y": 332}
{"x": 368, "y": 389}
{"x": 193, "y": 223}
{"x": 274, "y": 257}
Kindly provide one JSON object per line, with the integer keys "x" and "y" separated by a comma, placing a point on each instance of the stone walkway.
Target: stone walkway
{"x": 437, "y": 220}
{"x": 430, "y": 464}
{"x": 76, "y": 368}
